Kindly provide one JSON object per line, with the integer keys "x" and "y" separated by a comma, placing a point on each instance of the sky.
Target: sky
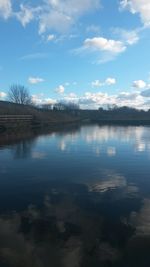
{"x": 91, "y": 52}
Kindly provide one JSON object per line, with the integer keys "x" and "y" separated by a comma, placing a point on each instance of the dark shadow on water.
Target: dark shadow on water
{"x": 13, "y": 137}
{"x": 73, "y": 227}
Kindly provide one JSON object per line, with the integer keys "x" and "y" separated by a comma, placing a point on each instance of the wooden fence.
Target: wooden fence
{"x": 13, "y": 121}
{"x": 14, "y": 118}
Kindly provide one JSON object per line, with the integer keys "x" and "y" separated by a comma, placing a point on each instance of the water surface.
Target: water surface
{"x": 79, "y": 197}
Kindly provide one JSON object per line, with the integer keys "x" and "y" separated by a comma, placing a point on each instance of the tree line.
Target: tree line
{"x": 19, "y": 94}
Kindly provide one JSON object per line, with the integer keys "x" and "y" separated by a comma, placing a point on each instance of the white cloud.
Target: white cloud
{"x": 142, "y": 7}
{"x": 37, "y": 99}
{"x": 60, "y": 15}
{"x": 2, "y": 95}
{"x": 60, "y": 89}
{"x": 59, "y": 22}
{"x": 103, "y": 44}
{"x": 108, "y": 49}
{"x": 108, "y": 81}
{"x": 95, "y": 100}
{"x": 5, "y": 9}
{"x": 40, "y": 100}
{"x": 72, "y": 7}
{"x": 104, "y": 49}
{"x": 129, "y": 37}
{"x": 50, "y": 101}
{"x": 139, "y": 84}
{"x": 50, "y": 37}
{"x": 97, "y": 83}
{"x": 25, "y": 15}
{"x": 72, "y": 95}
{"x": 35, "y": 80}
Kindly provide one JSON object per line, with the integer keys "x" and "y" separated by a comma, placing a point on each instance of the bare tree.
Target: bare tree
{"x": 19, "y": 94}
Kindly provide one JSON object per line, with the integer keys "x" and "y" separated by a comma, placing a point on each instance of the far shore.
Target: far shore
{"x": 16, "y": 117}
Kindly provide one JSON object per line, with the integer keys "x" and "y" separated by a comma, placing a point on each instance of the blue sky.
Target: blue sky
{"x": 91, "y": 52}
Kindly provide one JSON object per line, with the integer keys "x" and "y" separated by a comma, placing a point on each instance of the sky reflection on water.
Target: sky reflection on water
{"x": 79, "y": 197}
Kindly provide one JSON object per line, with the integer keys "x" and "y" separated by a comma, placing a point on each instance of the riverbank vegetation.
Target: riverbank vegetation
{"x": 70, "y": 113}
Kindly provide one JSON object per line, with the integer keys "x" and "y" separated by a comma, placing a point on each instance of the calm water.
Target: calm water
{"x": 79, "y": 197}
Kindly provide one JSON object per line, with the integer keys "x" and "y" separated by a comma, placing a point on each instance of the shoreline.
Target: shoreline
{"x": 51, "y": 125}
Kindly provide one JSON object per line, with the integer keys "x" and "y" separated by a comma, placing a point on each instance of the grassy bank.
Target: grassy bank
{"x": 40, "y": 117}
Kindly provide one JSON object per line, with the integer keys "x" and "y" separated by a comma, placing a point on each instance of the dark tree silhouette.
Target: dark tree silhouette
{"x": 19, "y": 94}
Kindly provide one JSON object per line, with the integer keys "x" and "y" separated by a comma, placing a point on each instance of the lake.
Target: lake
{"x": 78, "y": 197}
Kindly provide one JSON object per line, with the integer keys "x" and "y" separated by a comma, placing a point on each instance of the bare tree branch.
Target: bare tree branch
{"x": 19, "y": 94}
